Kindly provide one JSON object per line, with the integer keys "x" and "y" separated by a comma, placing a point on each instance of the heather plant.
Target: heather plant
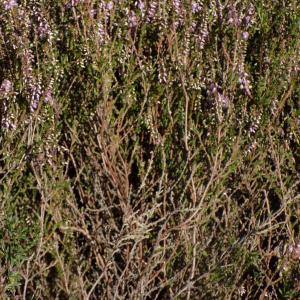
{"x": 149, "y": 149}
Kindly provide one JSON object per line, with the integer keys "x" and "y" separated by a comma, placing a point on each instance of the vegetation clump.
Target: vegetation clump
{"x": 149, "y": 149}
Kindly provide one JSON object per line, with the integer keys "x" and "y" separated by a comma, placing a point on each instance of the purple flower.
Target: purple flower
{"x": 177, "y": 5}
{"x": 196, "y": 7}
{"x": 234, "y": 18}
{"x": 215, "y": 91}
{"x": 9, "y": 4}
{"x": 132, "y": 20}
{"x": 246, "y": 21}
{"x": 43, "y": 28}
{"x": 213, "y": 88}
{"x": 101, "y": 33}
{"x": 72, "y": 3}
{"x": 244, "y": 81}
{"x": 8, "y": 124}
{"x": 223, "y": 100}
{"x": 6, "y": 86}
{"x": 152, "y": 11}
{"x": 251, "y": 10}
{"x": 35, "y": 96}
{"x": 245, "y": 35}
{"x": 141, "y": 6}
{"x": 203, "y": 35}
{"x": 110, "y": 5}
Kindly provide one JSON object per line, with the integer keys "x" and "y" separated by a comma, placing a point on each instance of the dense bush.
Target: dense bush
{"x": 149, "y": 149}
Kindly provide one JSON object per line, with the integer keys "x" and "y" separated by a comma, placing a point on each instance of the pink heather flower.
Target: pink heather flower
{"x": 6, "y": 87}
{"x": 215, "y": 91}
{"x": 251, "y": 10}
{"x": 246, "y": 21}
{"x": 35, "y": 97}
{"x": 234, "y": 18}
{"x": 72, "y": 3}
{"x": 242, "y": 291}
{"x": 93, "y": 13}
{"x": 43, "y": 28}
{"x": 132, "y": 20}
{"x": 141, "y": 6}
{"x": 196, "y": 7}
{"x": 177, "y": 5}
{"x": 152, "y": 11}
{"x": 213, "y": 88}
{"x": 223, "y": 100}
{"x": 110, "y": 5}
{"x": 8, "y": 124}
{"x": 203, "y": 36}
{"x": 245, "y": 35}
{"x": 101, "y": 33}
{"x": 9, "y": 4}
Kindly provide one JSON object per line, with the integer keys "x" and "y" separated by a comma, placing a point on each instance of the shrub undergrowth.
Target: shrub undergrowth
{"x": 149, "y": 149}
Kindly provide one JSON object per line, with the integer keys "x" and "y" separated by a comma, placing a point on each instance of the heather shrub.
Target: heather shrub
{"x": 149, "y": 149}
